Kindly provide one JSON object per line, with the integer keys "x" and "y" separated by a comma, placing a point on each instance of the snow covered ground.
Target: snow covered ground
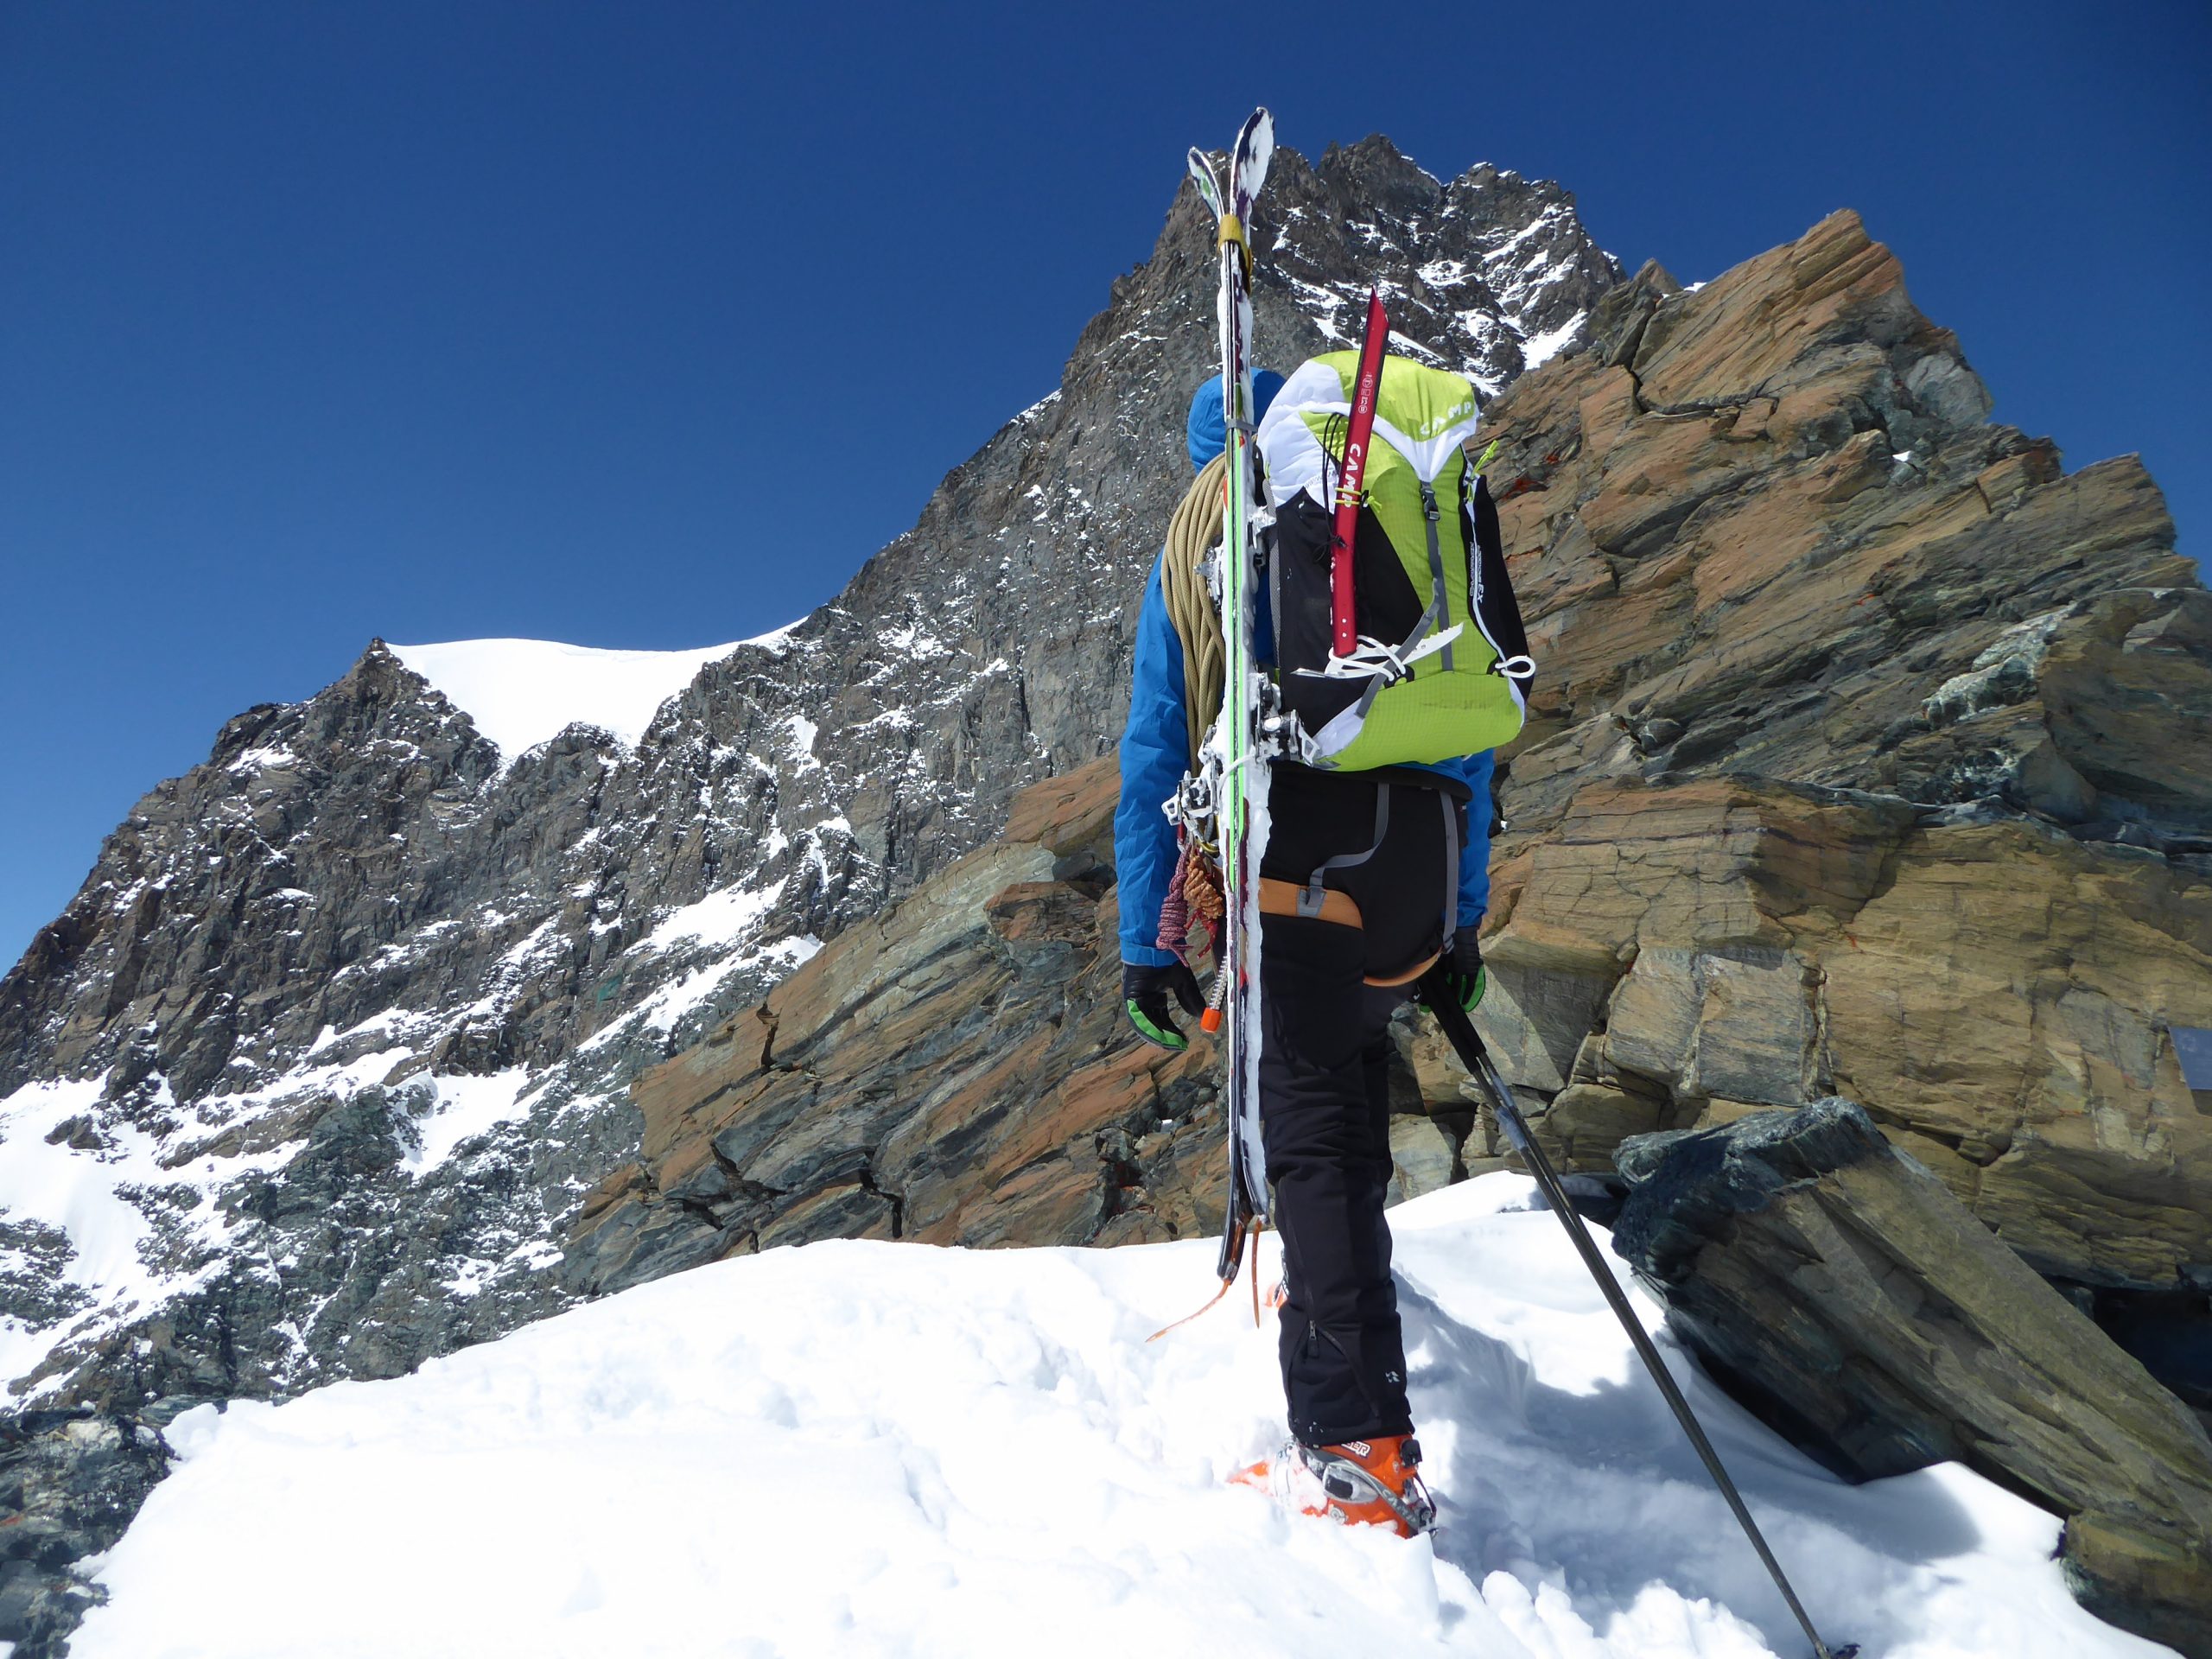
{"x": 523, "y": 692}
{"x": 873, "y": 1449}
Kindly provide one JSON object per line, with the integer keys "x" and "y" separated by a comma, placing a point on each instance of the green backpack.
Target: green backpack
{"x": 1442, "y": 668}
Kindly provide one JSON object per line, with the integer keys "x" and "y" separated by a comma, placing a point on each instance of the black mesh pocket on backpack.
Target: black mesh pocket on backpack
{"x": 1382, "y": 596}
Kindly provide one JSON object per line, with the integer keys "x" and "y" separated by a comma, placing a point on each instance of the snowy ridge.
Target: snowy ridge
{"x": 892, "y": 1450}
{"x": 521, "y": 693}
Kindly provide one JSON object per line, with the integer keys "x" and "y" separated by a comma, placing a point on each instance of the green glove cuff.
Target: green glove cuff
{"x": 1169, "y": 1038}
{"x": 1470, "y": 991}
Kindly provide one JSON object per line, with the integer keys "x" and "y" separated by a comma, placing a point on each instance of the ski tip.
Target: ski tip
{"x": 1256, "y": 148}
{"x": 1202, "y": 174}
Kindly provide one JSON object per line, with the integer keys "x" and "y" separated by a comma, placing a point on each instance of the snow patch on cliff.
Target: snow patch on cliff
{"x": 466, "y": 1108}
{"x": 81, "y": 1193}
{"x": 726, "y": 916}
{"x": 520, "y": 693}
{"x": 1539, "y": 348}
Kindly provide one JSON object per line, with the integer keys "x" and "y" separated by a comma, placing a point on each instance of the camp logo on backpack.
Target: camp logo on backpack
{"x": 1442, "y": 669}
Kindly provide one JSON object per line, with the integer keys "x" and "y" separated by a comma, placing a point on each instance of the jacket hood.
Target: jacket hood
{"x": 1204, "y": 433}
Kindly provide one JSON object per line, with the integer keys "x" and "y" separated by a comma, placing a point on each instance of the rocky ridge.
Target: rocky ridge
{"x": 334, "y": 1041}
{"x": 1805, "y": 799}
{"x": 1871, "y": 756}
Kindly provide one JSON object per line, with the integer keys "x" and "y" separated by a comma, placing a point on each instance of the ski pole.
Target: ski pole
{"x": 1437, "y": 993}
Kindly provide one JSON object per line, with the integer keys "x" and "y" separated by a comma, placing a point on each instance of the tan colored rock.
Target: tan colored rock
{"x": 1762, "y": 535}
{"x": 1995, "y": 990}
{"x": 2011, "y": 995}
{"x": 1701, "y": 599}
{"x": 1585, "y": 1121}
{"x": 2122, "y": 683}
{"x": 1069, "y": 813}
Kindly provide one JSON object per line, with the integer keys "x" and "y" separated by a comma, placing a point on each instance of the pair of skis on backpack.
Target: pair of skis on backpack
{"x": 1396, "y": 639}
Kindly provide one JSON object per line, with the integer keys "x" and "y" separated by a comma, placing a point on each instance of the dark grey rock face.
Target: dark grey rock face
{"x": 339, "y": 1028}
{"x": 1841, "y": 1285}
{"x": 70, "y": 1481}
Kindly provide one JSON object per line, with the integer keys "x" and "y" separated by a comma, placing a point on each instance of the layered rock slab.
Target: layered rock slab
{"x": 2001, "y": 997}
{"x": 1765, "y": 527}
{"x": 1867, "y": 752}
{"x": 959, "y": 1071}
{"x": 1838, "y": 1283}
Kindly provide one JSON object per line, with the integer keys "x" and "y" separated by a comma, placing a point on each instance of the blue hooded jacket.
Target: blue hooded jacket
{"x": 1155, "y": 744}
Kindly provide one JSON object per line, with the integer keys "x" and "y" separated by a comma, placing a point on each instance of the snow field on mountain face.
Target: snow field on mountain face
{"x": 108, "y": 1210}
{"x": 520, "y": 693}
{"x": 877, "y": 1449}
{"x": 47, "y": 1184}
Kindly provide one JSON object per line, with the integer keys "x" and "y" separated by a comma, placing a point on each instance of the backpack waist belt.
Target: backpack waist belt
{"x": 1280, "y": 897}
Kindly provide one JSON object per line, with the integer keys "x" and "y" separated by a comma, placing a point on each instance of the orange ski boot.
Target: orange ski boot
{"x": 1373, "y": 1482}
{"x": 1361, "y": 1483}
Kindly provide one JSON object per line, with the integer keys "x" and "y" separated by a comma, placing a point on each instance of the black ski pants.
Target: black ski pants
{"x": 1392, "y": 844}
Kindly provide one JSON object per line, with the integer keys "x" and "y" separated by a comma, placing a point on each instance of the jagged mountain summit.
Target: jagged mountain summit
{"x": 458, "y": 910}
{"x": 339, "y": 1030}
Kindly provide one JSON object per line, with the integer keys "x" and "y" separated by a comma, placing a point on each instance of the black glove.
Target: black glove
{"x": 1462, "y": 969}
{"x": 1144, "y": 994}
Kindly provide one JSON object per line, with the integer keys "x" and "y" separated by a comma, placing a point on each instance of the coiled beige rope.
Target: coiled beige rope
{"x": 1191, "y": 534}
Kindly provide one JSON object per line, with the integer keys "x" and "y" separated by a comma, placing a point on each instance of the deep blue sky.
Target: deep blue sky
{"x": 446, "y": 320}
